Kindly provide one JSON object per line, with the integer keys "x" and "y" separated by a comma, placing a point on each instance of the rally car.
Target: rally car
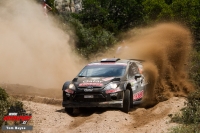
{"x": 111, "y": 82}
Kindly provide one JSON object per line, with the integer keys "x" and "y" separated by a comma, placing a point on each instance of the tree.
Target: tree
{"x": 157, "y": 10}
{"x": 187, "y": 11}
{"x": 91, "y": 40}
{"x": 112, "y": 15}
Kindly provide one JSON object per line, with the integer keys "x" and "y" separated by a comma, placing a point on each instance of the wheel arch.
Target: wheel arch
{"x": 66, "y": 85}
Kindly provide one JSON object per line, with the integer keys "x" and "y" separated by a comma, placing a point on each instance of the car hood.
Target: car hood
{"x": 94, "y": 81}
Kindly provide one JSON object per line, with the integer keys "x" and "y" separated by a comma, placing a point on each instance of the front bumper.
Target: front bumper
{"x": 116, "y": 104}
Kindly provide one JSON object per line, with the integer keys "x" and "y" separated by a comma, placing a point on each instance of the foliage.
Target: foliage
{"x": 91, "y": 40}
{"x": 6, "y": 103}
{"x": 114, "y": 16}
{"x": 51, "y": 4}
{"x": 101, "y": 21}
{"x": 194, "y": 69}
{"x": 157, "y": 10}
{"x": 186, "y": 129}
{"x": 185, "y": 11}
{"x": 189, "y": 116}
{"x": 3, "y": 95}
{"x": 191, "y": 113}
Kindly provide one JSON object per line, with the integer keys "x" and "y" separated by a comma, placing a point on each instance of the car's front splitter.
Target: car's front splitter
{"x": 116, "y": 104}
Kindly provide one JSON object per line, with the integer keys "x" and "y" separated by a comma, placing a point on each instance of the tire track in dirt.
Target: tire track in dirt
{"x": 51, "y": 118}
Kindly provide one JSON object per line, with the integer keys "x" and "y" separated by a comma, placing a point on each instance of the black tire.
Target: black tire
{"x": 131, "y": 100}
{"x": 126, "y": 101}
{"x": 69, "y": 110}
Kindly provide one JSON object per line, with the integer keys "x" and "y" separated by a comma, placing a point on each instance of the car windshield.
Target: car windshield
{"x": 103, "y": 71}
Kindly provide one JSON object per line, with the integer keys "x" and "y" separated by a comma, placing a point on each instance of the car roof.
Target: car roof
{"x": 118, "y": 60}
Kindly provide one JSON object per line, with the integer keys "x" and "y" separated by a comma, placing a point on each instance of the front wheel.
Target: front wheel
{"x": 126, "y": 101}
{"x": 69, "y": 110}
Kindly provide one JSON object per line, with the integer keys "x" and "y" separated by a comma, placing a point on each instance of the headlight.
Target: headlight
{"x": 71, "y": 86}
{"x": 111, "y": 86}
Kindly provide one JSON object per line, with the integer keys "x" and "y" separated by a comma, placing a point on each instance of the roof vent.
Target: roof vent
{"x": 110, "y": 60}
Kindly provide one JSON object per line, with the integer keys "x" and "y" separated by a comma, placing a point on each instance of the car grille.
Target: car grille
{"x": 97, "y": 98}
{"x": 89, "y": 88}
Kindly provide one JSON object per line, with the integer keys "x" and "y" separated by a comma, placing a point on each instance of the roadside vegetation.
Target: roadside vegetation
{"x": 109, "y": 19}
{"x": 6, "y": 103}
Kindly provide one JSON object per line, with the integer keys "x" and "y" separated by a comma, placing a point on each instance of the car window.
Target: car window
{"x": 103, "y": 71}
{"x": 133, "y": 69}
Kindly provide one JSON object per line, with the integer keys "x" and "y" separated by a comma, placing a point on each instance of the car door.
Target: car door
{"x": 135, "y": 79}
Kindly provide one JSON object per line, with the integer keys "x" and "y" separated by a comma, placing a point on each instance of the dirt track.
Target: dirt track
{"x": 49, "y": 116}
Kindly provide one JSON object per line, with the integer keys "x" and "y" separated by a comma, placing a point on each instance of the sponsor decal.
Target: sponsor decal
{"x": 17, "y": 119}
{"x": 69, "y": 91}
{"x": 88, "y": 90}
{"x": 12, "y": 117}
{"x": 92, "y": 81}
{"x": 112, "y": 90}
{"x": 138, "y": 95}
{"x": 107, "y": 79}
{"x": 90, "y": 84}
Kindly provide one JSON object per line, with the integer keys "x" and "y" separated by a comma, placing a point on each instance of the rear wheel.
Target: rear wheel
{"x": 69, "y": 110}
{"x": 126, "y": 101}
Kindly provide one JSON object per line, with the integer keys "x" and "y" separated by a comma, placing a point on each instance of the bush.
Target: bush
{"x": 186, "y": 129}
{"x": 189, "y": 116}
{"x": 194, "y": 69}
{"x": 7, "y": 103}
{"x": 4, "y": 104}
{"x": 92, "y": 40}
{"x": 191, "y": 113}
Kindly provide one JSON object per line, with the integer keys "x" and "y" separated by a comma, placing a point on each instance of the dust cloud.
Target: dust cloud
{"x": 33, "y": 49}
{"x": 165, "y": 48}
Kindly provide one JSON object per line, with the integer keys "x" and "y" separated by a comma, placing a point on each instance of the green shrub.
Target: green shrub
{"x": 194, "y": 67}
{"x": 190, "y": 115}
{"x": 3, "y": 95}
{"x": 92, "y": 40}
{"x": 186, "y": 129}
{"x": 6, "y": 103}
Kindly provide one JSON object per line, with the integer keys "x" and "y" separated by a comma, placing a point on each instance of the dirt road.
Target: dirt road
{"x": 49, "y": 116}
{"x": 52, "y": 118}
